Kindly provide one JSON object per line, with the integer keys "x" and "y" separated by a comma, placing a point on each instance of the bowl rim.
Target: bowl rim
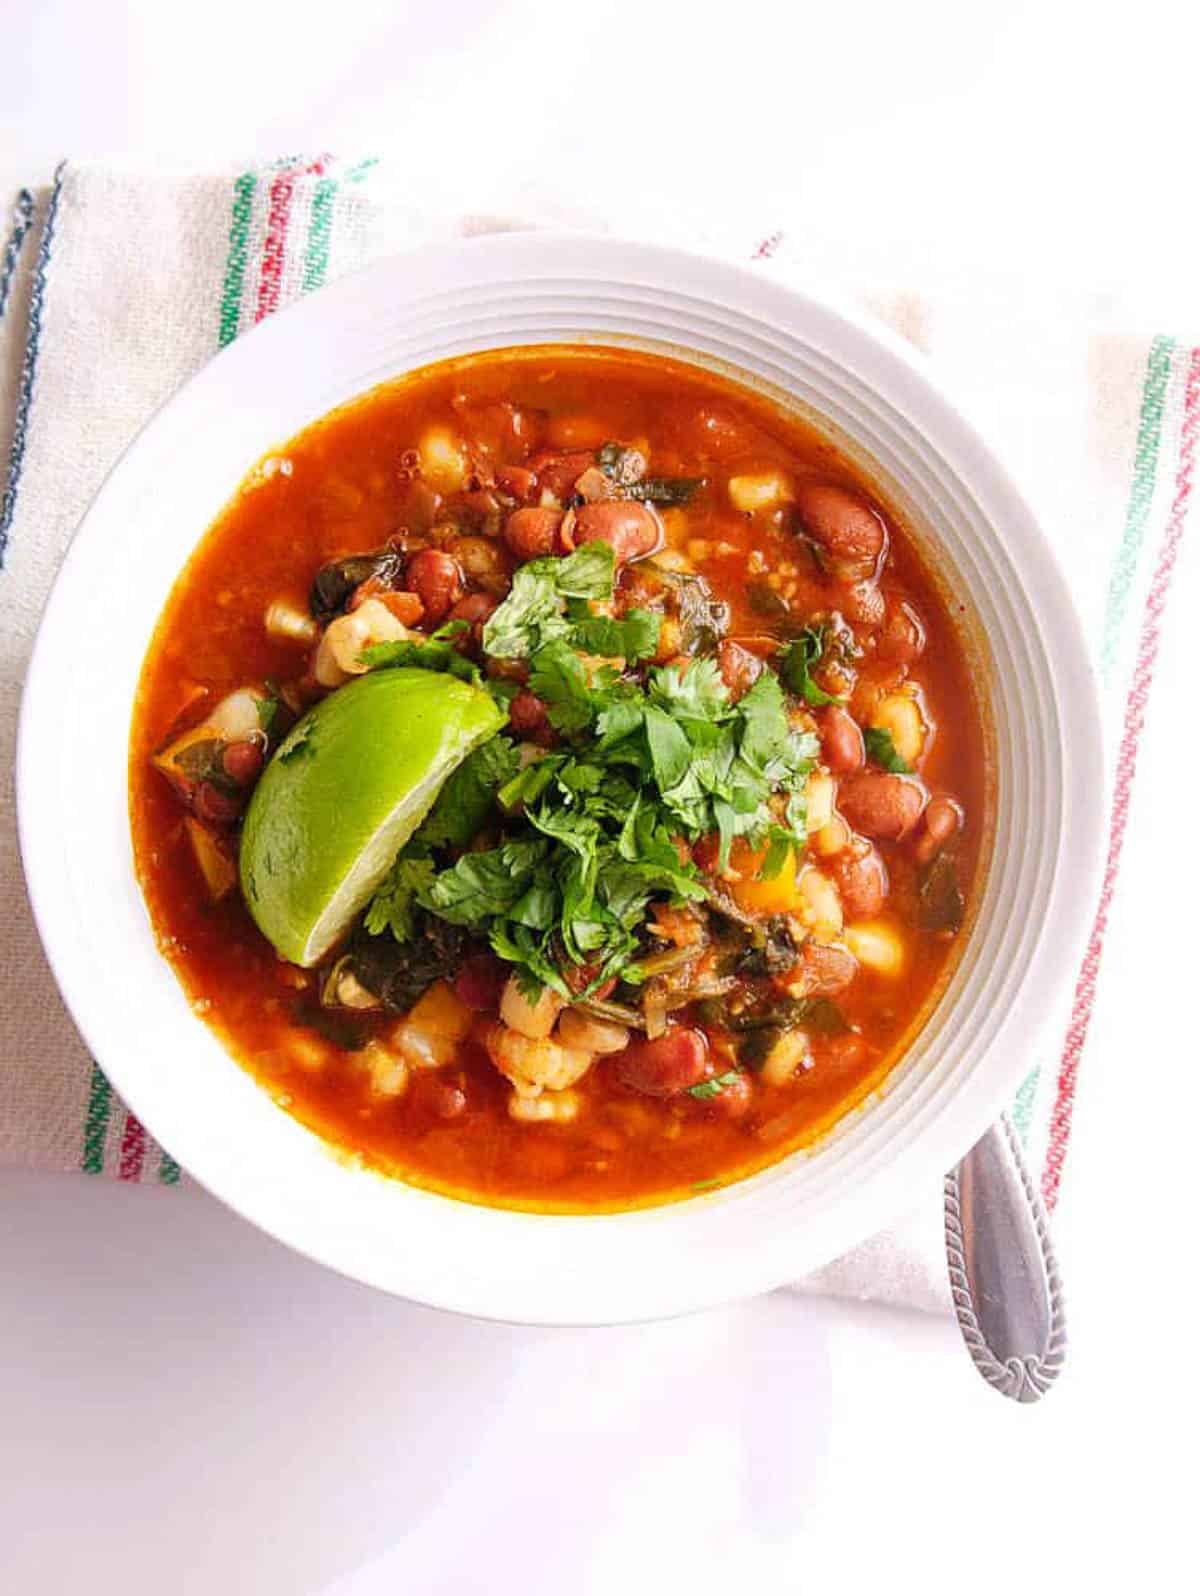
{"x": 532, "y": 256}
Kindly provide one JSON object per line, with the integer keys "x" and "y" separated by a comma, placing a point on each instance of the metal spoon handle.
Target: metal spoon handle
{"x": 1003, "y": 1274}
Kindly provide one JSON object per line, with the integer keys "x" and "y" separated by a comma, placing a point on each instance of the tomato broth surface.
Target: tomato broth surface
{"x": 802, "y": 988}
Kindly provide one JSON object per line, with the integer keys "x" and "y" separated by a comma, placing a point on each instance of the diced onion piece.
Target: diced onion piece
{"x": 761, "y": 490}
{"x": 899, "y": 714}
{"x": 818, "y": 795}
{"x": 217, "y": 868}
{"x": 289, "y": 624}
{"x": 236, "y": 717}
{"x": 576, "y": 1030}
{"x": 443, "y": 460}
{"x": 820, "y": 906}
{"x": 388, "y": 1071}
{"x": 878, "y": 945}
{"x": 530, "y": 1019}
{"x": 785, "y": 1058}
{"x": 551, "y": 1108}
{"x": 432, "y": 1030}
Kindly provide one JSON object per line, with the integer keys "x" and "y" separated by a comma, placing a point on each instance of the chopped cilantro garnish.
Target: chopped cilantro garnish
{"x": 798, "y": 662}
{"x": 436, "y": 653}
{"x": 392, "y": 907}
{"x": 268, "y": 708}
{"x": 882, "y": 750}
{"x": 714, "y": 1086}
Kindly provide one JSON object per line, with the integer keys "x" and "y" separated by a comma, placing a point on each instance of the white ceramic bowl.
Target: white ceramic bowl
{"x": 487, "y": 293}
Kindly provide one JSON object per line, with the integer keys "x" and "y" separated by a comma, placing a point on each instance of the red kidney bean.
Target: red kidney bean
{"x": 882, "y": 805}
{"x": 480, "y": 982}
{"x": 437, "y": 581}
{"x": 215, "y": 806}
{"x": 558, "y": 472}
{"x": 242, "y": 762}
{"x": 739, "y": 668}
{"x": 862, "y": 880}
{"x": 852, "y": 534}
{"x": 532, "y": 532}
{"x": 528, "y": 716}
{"x": 668, "y": 1065}
{"x": 476, "y": 609}
{"x": 632, "y": 529}
{"x": 862, "y": 603}
{"x": 902, "y": 639}
{"x": 518, "y": 482}
{"x": 942, "y": 818}
{"x": 825, "y": 971}
{"x": 841, "y": 740}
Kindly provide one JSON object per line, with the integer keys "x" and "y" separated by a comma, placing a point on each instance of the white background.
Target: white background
{"x": 183, "y": 1405}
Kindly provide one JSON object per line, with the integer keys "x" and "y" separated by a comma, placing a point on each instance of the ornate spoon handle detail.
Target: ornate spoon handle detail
{"x": 1003, "y": 1275}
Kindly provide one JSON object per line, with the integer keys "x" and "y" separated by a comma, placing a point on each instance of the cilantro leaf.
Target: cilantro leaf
{"x": 670, "y": 750}
{"x": 532, "y": 614}
{"x": 715, "y": 1085}
{"x": 268, "y": 708}
{"x": 463, "y": 804}
{"x": 481, "y": 885}
{"x": 395, "y": 902}
{"x": 632, "y": 638}
{"x": 557, "y": 676}
{"x": 882, "y": 750}
{"x": 430, "y": 654}
{"x": 694, "y": 692}
{"x": 798, "y": 662}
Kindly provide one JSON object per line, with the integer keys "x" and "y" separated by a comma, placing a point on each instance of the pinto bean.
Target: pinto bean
{"x": 668, "y": 1065}
{"x": 739, "y": 668}
{"x": 882, "y": 805}
{"x": 482, "y": 561}
{"x": 942, "y": 818}
{"x": 851, "y": 534}
{"x": 531, "y": 532}
{"x": 862, "y": 880}
{"x": 631, "y": 528}
{"x": 841, "y": 740}
{"x": 437, "y": 581}
{"x": 903, "y": 636}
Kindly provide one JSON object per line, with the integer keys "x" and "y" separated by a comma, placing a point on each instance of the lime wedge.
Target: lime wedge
{"x": 346, "y": 789}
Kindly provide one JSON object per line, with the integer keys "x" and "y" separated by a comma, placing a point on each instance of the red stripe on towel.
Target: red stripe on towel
{"x": 279, "y": 210}
{"x": 1131, "y": 734}
{"x": 133, "y": 1149}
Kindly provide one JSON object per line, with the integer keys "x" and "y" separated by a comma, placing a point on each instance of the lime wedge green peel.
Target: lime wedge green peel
{"x": 346, "y": 789}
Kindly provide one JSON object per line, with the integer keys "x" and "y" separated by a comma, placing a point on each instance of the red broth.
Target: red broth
{"x": 348, "y": 484}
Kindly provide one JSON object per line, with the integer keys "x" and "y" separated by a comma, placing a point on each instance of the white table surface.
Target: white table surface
{"x": 184, "y": 1406}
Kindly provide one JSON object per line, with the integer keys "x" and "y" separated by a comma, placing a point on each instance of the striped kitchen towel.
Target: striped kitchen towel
{"x": 115, "y": 285}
